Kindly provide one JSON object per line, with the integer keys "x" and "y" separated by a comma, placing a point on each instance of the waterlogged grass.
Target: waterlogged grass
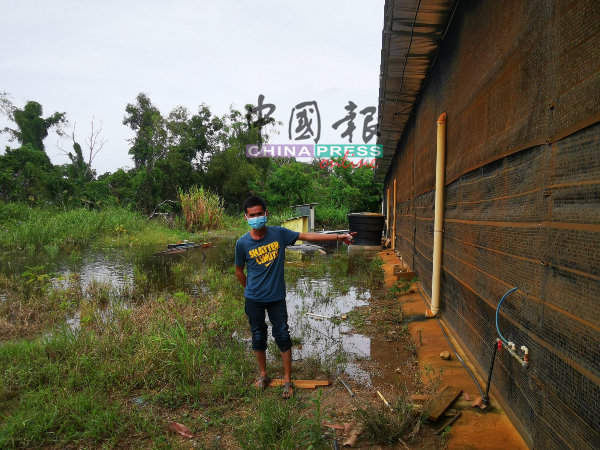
{"x": 137, "y": 359}
{"x": 76, "y": 384}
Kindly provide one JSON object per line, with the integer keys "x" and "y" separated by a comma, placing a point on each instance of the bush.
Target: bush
{"x": 203, "y": 210}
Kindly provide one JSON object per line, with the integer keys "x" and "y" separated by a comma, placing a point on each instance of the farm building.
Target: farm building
{"x": 510, "y": 91}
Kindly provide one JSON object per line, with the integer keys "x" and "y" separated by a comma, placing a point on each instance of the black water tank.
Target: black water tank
{"x": 368, "y": 227}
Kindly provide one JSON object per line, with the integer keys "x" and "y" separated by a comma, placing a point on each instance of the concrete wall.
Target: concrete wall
{"x": 520, "y": 83}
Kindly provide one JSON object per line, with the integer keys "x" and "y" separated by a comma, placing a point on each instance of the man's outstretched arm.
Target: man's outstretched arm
{"x": 240, "y": 275}
{"x": 321, "y": 237}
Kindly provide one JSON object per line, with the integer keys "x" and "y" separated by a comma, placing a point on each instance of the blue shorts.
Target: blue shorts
{"x": 278, "y": 316}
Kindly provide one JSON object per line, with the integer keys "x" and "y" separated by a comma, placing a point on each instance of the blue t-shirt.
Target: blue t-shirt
{"x": 265, "y": 259}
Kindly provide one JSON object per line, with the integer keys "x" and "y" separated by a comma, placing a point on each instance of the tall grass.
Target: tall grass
{"x": 77, "y": 384}
{"x": 26, "y": 228}
{"x": 203, "y": 210}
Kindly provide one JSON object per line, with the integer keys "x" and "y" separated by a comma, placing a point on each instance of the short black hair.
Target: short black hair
{"x": 255, "y": 200}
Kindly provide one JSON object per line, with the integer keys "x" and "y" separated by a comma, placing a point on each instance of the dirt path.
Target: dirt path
{"x": 476, "y": 429}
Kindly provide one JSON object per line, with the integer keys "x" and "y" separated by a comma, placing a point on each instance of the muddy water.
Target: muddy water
{"x": 316, "y": 309}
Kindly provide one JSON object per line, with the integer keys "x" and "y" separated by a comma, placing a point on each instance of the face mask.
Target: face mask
{"x": 257, "y": 222}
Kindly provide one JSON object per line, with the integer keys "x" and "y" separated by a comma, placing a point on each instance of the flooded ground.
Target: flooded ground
{"x": 150, "y": 340}
{"x": 317, "y": 309}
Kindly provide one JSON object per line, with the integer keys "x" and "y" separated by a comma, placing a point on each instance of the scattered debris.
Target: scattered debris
{"x": 384, "y": 400}
{"x": 317, "y": 315}
{"x": 181, "y": 429}
{"x": 442, "y": 403}
{"x": 398, "y": 370}
{"x": 450, "y": 412}
{"x": 450, "y": 422}
{"x": 181, "y": 247}
{"x": 335, "y": 426}
{"x": 348, "y": 426}
{"x": 479, "y": 402}
{"x": 344, "y": 317}
{"x": 420, "y": 397}
{"x": 446, "y": 356}
{"x": 138, "y": 401}
{"x": 347, "y": 387}
{"x": 354, "y": 435}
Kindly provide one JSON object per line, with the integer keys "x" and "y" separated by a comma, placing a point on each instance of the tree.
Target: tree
{"x": 149, "y": 145}
{"x": 81, "y": 167}
{"x": 25, "y": 175}
{"x": 32, "y": 128}
{"x": 149, "y": 142}
{"x": 230, "y": 173}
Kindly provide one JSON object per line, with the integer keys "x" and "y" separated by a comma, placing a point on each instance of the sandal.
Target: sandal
{"x": 286, "y": 389}
{"x": 263, "y": 382}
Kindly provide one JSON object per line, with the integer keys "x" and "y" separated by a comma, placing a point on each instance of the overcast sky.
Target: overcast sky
{"x": 92, "y": 58}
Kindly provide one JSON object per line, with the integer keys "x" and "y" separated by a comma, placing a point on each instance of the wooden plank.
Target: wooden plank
{"x": 420, "y": 397}
{"x": 442, "y": 403}
{"x": 303, "y": 384}
{"x": 406, "y": 275}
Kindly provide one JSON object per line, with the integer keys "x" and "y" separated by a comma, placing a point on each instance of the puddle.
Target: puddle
{"x": 331, "y": 340}
{"x": 118, "y": 266}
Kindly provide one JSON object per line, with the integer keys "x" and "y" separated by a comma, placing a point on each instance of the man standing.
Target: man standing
{"x": 262, "y": 249}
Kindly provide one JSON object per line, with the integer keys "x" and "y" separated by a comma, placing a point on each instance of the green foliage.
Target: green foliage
{"x": 32, "y": 128}
{"x": 402, "y": 285}
{"x": 173, "y": 153}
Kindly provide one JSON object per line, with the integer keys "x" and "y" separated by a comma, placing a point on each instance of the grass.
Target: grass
{"x": 23, "y": 228}
{"x": 49, "y": 230}
{"x": 76, "y": 384}
{"x": 380, "y": 424}
{"x": 139, "y": 358}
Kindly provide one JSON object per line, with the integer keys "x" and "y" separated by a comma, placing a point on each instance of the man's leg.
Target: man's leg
{"x": 261, "y": 357}
{"x": 256, "y": 317}
{"x": 287, "y": 365}
{"x": 281, "y": 332}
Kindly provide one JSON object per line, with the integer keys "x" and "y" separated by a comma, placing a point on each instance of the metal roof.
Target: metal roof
{"x": 412, "y": 33}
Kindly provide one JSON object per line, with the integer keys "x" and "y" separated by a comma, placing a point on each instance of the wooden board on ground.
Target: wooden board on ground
{"x": 420, "y": 397}
{"x": 303, "y": 384}
{"x": 437, "y": 408}
{"x": 405, "y": 275}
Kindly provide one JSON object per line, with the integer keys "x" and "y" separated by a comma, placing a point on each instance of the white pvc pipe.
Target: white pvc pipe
{"x": 438, "y": 225}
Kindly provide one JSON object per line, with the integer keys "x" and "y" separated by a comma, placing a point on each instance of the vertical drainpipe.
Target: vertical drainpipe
{"x": 438, "y": 231}
{"x": 387, "y": 218}
{"x": 394, "y": 219}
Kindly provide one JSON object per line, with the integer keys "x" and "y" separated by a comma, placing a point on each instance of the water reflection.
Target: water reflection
{"x": 332, "y": 338}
